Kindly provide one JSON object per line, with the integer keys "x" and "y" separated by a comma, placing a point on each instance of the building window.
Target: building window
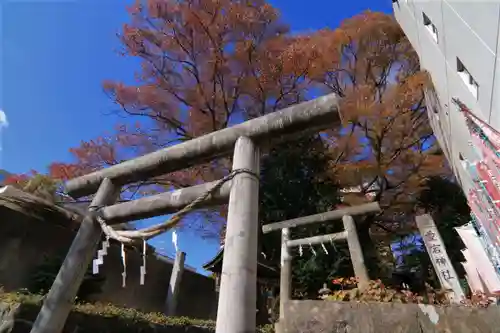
{"x": 469, "y": 81}
{"x": 430, "y": 27}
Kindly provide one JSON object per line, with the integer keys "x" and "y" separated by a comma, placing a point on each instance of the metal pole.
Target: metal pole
{"x": 238, "y": 290}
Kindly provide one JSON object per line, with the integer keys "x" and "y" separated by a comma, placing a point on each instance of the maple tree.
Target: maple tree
{"x": 384, "y": 145}
{"x": 207, "y": 64}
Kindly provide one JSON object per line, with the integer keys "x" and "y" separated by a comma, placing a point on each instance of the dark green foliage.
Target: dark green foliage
{"x": 44, "y": 275}
{"x": 295, "y": 183}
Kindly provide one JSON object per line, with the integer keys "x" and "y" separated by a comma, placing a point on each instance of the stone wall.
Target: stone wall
{"x": 25, "y": 240}
{"x": 345, "y": 317}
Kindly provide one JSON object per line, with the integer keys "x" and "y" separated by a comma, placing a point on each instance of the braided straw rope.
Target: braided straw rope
{"x": 133, "y": 236}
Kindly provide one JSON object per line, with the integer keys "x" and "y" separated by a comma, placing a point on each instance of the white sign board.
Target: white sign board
{"x": 439, "y": 258}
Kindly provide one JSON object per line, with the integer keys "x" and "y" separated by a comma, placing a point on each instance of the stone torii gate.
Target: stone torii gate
{"x": 349, "y": 234}
{"x": 237, "y": 300}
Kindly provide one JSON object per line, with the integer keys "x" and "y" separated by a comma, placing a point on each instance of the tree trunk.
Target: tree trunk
{"x": 385, "y": 258}
{"x": 377, "y": 252}
{"x": 263, "y": 316}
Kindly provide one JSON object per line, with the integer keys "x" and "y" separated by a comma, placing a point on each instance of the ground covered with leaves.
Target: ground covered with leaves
{"x": 376, "y": 291}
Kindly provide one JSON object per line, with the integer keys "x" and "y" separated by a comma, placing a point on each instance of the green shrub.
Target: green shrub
{"x": 138, "y": 321}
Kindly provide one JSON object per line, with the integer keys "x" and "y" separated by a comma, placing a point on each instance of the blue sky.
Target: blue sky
{"x": 55, "y": 55}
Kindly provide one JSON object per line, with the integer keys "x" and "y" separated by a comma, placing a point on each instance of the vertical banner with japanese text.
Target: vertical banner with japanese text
{"x": 439, "y": 257}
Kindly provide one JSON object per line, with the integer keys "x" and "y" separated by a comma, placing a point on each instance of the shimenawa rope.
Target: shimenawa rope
{"x": 132, "y": 236}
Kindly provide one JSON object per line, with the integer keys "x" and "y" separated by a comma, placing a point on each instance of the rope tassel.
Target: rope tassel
{"x": 324, "y": 248}
{"x": 143, "y": 267}
{"x": 132, "y": 236}
{"x": 124, "y": 261}
{"x": 312, "y": 249}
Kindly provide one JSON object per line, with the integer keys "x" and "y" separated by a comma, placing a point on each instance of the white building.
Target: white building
{"x": 458, "y": 43}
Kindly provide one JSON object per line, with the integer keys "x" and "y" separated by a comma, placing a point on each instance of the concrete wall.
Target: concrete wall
{"x": 343, "y": 317}
{"x": 24, "y": 241}
{"x": 469, "y": 31}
